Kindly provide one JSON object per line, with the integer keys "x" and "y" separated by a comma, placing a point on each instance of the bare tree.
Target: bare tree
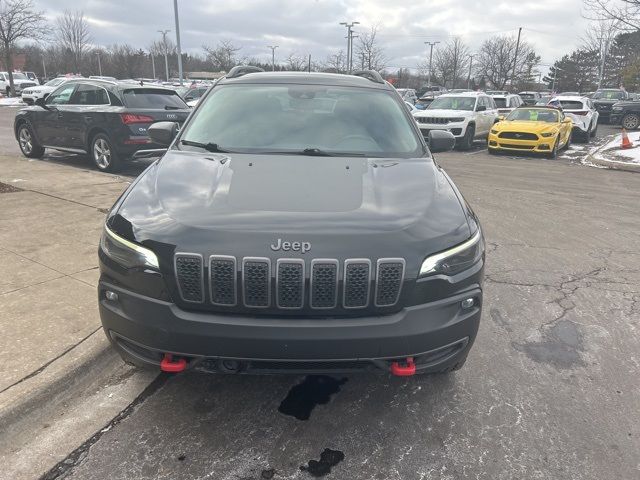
{"x": 336, "y": 63}
{"x": 368, "y": 52}
{"x": 223, "y": 56}
{"x": 625, "y": 12}
{"x": 451, "y": 61}
{"x": 296, "y": 63}
{"x": 495, "y": 61}
{"x": 73, "y": 35}
{"x": 18, "y": 21}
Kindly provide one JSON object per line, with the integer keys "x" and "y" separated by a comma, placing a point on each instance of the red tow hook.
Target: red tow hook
{"x": 404, "y": 370}
{"x": 168, "y": 364}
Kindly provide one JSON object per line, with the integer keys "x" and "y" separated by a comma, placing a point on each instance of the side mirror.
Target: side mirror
{"x": 481, "y": 108}
{"x": 163, "y": 133}
{"x": 501, "y": 118}
{"x": 441, "y": 141}
{"x": 40, "y": 102}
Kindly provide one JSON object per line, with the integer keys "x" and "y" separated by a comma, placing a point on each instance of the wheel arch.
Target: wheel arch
{"x": 91, "y": 134}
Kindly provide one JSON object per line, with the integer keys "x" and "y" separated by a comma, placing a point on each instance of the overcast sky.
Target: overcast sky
{"x": 312, "y": 26}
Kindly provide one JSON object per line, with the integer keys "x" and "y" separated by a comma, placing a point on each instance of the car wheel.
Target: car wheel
{"x": 586, "y": 136}
{"x": 466, "y": 142}
{"x": 594, "y": 130}
{"x": 8, "y": 92}
{"x": 631, "y": 121}
{"x": 568, "y": 144}
{"x": 492, "y": 151}
{"x": 28, "y": 144}
{"x": 103, "y": 154}
{"x": 554, "y": 152}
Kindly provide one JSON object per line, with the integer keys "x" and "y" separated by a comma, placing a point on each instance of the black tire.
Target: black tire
{"x": 8, "y": 92}
{"x": 586, "y": 137}
{"x": 103, "y": 155}
{"x": 631, "y": 121}
{"x": 553, "y": 154}
{"x": 492, "y": 151}
{"x": 594, "y": 130}
{"x": 466, "y": 142}
{"x": 29, "y": 146}
{"x": 568, "y": 144}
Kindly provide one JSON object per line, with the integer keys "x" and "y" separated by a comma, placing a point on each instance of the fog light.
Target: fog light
{"x": 111, "y": 296}
{"x": 467, "y": 303}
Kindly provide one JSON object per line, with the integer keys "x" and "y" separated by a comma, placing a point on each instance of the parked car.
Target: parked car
{"x": 191, "y": 95}
{"x": 582, "y": 112}
{"x": 20, "y": 82}
{"x": 433, "y": 90}
{"x": 106, "y": 120}
{"x": 605, "y": 98}
{"x": 543, "y": 101}
{"x": 33, "y": 77}
{"x": 626, "y": 114}
{"x": 305, "y": 239}
{"x": 468, "y": 116}
{"x": 493, "y": 93}
{"x": 424, "y": 101}
{"x": 410, "y": 106}
{"x": 506, "y": 103}
{"x": 460, "y": 90}
{"x": 102, "y": 77}
{"x": 31, "y": 94}
{"x": 408, "y": 94}
{"x": 569, "y": 94}
{"x": 530, "y": 98}
{"x": 532, "y": 129}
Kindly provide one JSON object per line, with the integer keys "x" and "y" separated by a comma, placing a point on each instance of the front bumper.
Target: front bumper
{"x": 456, "y": 129}
{"x": 542, "y": 145}
{"x": 437, "y": 334}
{"x": 615, "y": 118}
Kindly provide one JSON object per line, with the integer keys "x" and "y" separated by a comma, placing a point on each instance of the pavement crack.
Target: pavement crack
{"x": 41, "y": 369}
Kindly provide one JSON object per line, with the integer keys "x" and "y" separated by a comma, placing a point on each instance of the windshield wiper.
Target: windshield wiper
{"x": 209, "y": 147}
{"x": 171, "y": 107}
{"x": 317, "y": 152}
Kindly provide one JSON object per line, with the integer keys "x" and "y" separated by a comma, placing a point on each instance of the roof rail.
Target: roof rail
{"x": 369, "y": 75}
{"x": 241, "y": 70}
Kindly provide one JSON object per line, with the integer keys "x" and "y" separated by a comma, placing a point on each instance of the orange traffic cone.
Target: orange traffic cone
{"x": 626, "y": 143}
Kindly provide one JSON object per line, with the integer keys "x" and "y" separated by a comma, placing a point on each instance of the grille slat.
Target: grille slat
{"x": 256, "y": 282}
{"x": 389, "y": 277}
{"x": 189, "y": 273}
{"x": 518, "y": 135}
{"x": 223, "y": 280}
{"x": 290, "y": 283}
{"x": 357, "y": 282}
{"x": 324, "y": 283}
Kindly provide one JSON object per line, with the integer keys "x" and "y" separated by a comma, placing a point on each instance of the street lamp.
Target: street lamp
{"x": 175, "y": 11}
{"x": 273, "y": 56}
{"x": 553, "y": 84}
{"x": 164, "y": 45}
{"x": 99, "y": 64}
{"x": 349, "y": 43}
{"x": 431, "y": 44}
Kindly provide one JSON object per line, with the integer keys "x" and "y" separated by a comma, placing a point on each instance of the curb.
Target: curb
{"x": 591, "y": 159}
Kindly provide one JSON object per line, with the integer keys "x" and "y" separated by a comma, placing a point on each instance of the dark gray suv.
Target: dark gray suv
{"x": 296, "y": 223}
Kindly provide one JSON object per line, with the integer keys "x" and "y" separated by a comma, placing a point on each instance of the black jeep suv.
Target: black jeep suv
{"x": 296, "y": 223}
{"x": 604, "y": 100}
{"x": 107, "y": 120}
{"x": 626, "y": 114}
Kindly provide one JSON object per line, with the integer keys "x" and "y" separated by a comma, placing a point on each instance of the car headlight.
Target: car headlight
{"x": 617, "y": 109}
{"x": 456, "y": 259}
{"x": 495, "y": 132}
{"x": 456, "y": 120}
{"x": 126, "y": 253}
{"x": 548, "y": 134}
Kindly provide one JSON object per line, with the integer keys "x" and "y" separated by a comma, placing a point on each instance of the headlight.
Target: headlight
{"x": 126, "y": 253}
{"x": 547, "y": 134}
{"x": 456, "y": 259}
{"x": 456, "y": 120}
{"x": 495, "y": 132}
{"x": 617, "y": 109}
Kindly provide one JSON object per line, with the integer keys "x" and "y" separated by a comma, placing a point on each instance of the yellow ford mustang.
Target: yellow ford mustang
{"x": 532, "y": 129}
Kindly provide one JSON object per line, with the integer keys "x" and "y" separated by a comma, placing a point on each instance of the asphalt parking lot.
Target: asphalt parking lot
{"x": 551, "y": 389}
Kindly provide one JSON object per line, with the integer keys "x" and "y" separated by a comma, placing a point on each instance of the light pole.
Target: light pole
{"x": 470, "y": 65}
{"x": 431, "y": 44}
{"x": 175, "y": 10}
{"x": 349, "y": 43}
{"x": 164, "y": 48}
{"x": 604, "y": 49}
{"x": 553, "y": 84}
{"x": 153, "y": 65}
{"x": 99, "y": 64}
{"x": 44, "y": 68}
{"x": 273, "y": 56}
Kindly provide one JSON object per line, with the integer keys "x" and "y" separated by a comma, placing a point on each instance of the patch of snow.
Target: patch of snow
{"x": 613, "y": 152}
{"x": 11, "y": 102}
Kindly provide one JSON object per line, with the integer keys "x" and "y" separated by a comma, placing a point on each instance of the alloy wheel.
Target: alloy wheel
{"x": 26, "y": 142}
{"x": 102, "y": 153}
{"x": 631, "y": 121}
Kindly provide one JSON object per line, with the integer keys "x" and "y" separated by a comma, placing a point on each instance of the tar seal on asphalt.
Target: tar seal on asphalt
{"x": 328, "y": 459}
{"x": 314, "y": 390}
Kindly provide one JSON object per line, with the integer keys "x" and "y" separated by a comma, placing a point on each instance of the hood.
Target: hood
{"x": 627, "y": 103}
{"x": 436, "y": 112}
{"x": 240, "y": 204}
{"x": 605, "y": 101}
{"x": 526, "y": 126}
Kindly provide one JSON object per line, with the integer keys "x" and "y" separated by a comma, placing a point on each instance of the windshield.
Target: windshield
{"x": 534, "y": 115}
{"x": 297, "y": 118}
{"x": 19, "y": 76}
{"x": 571, "y": 105}
{"x": 527, "y": 95}
{"x": 609, "y": 94}
{"x": 54, "y": 83}
{"x": 500, "y": 102}
{"x": 152, "y": 98}
{"x": 453, "y": 103}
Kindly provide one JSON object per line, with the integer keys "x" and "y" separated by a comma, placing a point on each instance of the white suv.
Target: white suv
{"x": 507, "y": 103}
{"x": 20, "y": 82}
{"x": 468, "y": 116}
{"x": 31, "y": 94}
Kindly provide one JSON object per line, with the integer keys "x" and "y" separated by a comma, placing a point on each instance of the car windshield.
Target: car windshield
{"x": 306, "y": 119}
{"x": 54, "y": 83}
{"x": 152, "y": 98}
{"x": 20, "y": 76}
{"x": 609, "y": 95}
{"x": 453, "y": 103}
{"x": 571, "y": 104}
{"x": 534, "y": 115}
{"x": 500, "y": 102}
{"x": 527, "y": 95}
